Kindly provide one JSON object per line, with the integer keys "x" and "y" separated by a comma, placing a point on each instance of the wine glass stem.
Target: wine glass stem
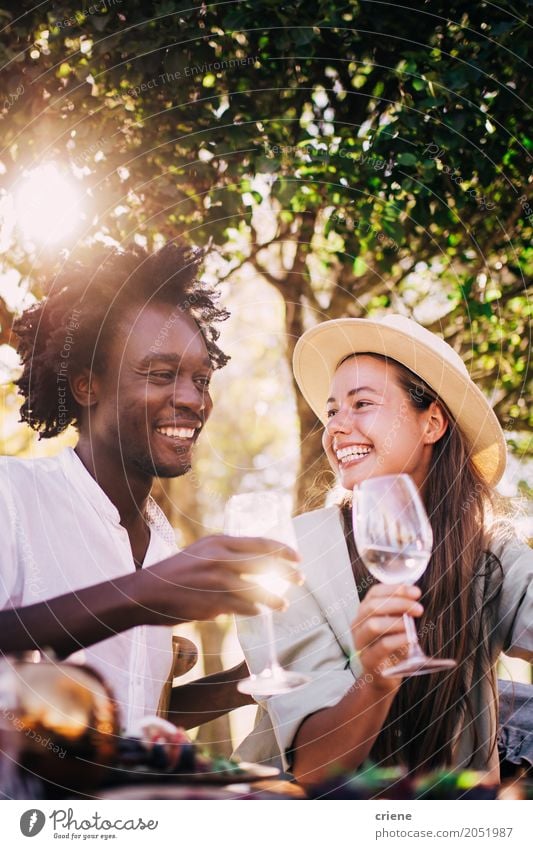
{"x": 412, "y": 638}
{"x": 272, "y": 654}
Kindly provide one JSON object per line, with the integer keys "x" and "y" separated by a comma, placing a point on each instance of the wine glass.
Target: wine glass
{"x": 265, "y": 514}
{"x": 394, "y": 539}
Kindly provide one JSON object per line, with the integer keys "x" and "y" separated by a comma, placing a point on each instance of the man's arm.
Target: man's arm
{"x": 201, "y": 701}
{"x": 70, "y": 622}
{"x": 201, "y": 582}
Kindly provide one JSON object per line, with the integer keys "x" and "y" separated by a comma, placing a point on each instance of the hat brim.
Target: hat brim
{"x": 319, "y": 351}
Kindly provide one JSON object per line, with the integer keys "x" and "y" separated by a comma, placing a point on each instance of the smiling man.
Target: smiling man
{"x": 124, "y": 351}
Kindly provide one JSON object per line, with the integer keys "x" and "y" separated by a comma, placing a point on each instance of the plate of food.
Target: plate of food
{"x": 161, "y": 753}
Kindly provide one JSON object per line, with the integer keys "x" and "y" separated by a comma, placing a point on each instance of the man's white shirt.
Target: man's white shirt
{"x": 59, "y": 533}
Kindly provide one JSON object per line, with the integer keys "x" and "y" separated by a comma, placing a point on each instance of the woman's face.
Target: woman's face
{"x": 373, "y": 428}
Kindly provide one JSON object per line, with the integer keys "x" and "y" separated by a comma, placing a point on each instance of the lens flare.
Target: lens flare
{"x": 47, "y": 204}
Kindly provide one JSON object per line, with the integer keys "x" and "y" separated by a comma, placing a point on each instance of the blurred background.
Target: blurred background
{"x": 341, "y": 159}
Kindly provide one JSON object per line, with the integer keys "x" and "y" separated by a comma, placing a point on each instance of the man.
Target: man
{"x": 124, "y": 351}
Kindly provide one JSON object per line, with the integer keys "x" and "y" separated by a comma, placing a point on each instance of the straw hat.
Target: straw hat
{"x": 320, "y": 350}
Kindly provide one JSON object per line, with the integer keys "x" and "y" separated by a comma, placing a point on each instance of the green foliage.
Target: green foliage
{"x": 394, "y": 148}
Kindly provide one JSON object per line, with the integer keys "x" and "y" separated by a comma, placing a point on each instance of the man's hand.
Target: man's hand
{"x": 213, "y": 576}
{"x": 199, "y": 583}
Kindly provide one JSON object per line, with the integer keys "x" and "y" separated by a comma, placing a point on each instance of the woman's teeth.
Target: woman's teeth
{"x": 177, "y": 432}
{"x": 350, "y": 451}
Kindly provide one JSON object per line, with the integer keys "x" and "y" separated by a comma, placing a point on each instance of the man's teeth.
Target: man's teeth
{"x": 177, "y": 432}
{"x": 352, "y": 451}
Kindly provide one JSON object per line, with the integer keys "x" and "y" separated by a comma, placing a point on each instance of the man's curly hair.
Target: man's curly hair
{"x": 70, "y": 329}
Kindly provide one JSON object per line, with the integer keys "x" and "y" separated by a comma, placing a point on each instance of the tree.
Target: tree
{"x": 359, "y": 158}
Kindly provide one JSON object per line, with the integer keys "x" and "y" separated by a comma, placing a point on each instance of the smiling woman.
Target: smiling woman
{"x": 367, "y": 410}
{"x": 396, "y": 399}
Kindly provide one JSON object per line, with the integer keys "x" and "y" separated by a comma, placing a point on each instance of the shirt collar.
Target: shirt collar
{"x": 159, "y": 522}
{"x": 83, "y": 481}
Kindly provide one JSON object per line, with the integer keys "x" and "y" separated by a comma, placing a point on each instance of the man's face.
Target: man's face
{"x": 153, "y": 398}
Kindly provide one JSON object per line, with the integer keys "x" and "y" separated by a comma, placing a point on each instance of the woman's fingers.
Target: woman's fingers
{"x": 393, "y": 591}
{"x": 378, "y": 626}
{"x": 388, "y": 647}
{"x": 390, "y": 607}
{"x": 381, "y": 656}
{"x": 379, "y": 629}
{"x": 395, "y": 602}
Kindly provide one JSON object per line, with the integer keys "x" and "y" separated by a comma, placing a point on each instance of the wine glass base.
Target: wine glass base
{"x": 419, "y": 665}
{"x": 272, "y": 683}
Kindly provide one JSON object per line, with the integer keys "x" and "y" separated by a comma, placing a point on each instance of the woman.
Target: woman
{"x": 396, "y": 398}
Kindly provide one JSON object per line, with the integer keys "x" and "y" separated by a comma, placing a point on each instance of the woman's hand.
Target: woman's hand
{"x": 379, "y": 633}
{"x": 344, "y": 733}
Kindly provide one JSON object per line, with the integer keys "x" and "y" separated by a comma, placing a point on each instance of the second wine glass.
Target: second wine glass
{"x": 265, "y": 514}
{"x": 394, "y": 540}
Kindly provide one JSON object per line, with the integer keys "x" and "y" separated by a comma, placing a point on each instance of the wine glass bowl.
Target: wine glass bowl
{"x": 394, "y": 540}
{"x": 266, "y": 514}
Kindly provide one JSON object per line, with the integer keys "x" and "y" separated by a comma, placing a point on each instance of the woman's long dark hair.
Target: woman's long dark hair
{"x": 459, "y": 589}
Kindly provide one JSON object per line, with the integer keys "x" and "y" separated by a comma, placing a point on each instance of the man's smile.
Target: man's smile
{"x": 180, "y": 435}
{"x": 178, "y": 432}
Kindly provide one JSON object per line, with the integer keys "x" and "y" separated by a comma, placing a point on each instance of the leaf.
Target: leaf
{"x": 359, "y": 267}
{"x": 407, "y": 159}
{"x": 302, "y": 35}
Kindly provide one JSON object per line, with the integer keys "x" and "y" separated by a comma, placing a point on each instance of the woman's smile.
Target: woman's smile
{"x": 348, "y": 454}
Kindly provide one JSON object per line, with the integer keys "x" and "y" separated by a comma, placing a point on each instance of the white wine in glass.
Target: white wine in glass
{"x": 265, "y": 514}
{"x": 394, "y": 540}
